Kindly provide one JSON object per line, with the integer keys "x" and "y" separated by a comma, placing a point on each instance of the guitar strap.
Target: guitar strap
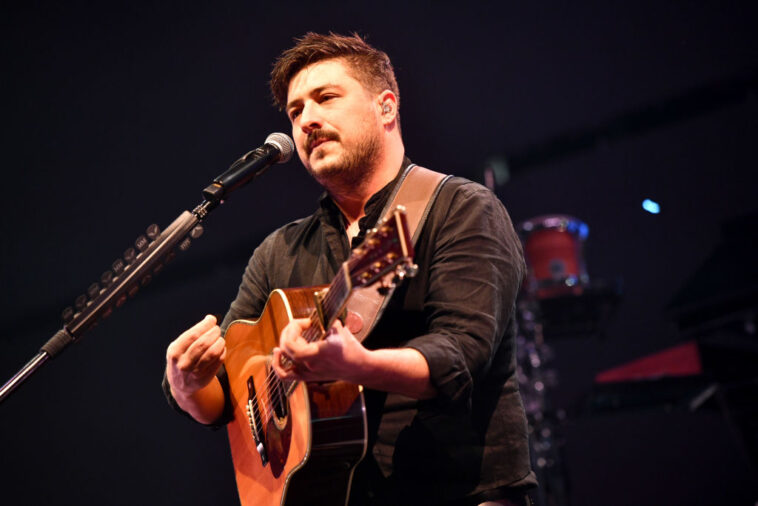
{"x": 416, "y": 191}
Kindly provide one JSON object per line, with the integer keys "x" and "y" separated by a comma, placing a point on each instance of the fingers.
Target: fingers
{"x": 289, "y": 359}
{"x": 276, "y": 363}
{"x": 209, "y": 345}
{"x": 212, "y": 356}
{"x": 198, "y": 348}
{"x": 284, "y": 372}
{"x": 295, "y": 328}
{"x": 292, "y": 343}
{"x": 334, "y": 337}
{"x": 308, "y": 361}
{"x": 189, "y": 336}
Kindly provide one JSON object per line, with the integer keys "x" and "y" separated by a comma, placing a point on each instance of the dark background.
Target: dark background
{"x": 116, "y": 115}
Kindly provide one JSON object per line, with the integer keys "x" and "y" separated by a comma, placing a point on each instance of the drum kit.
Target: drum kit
{"x": 557, "y": 299}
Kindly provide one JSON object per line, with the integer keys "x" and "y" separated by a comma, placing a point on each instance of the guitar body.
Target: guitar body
{"x": 291, "y": 449}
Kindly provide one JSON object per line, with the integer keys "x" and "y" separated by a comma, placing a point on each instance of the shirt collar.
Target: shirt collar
{"x": 371, "y": 210}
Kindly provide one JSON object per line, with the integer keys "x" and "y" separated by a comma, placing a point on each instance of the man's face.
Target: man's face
{"x": 336, "y": 122}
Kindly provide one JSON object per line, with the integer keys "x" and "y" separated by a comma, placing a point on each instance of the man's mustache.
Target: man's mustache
{"x": 320, "y": 135}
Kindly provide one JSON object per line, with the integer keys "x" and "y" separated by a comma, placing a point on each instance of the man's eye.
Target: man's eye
{"x": 294, "y": 114}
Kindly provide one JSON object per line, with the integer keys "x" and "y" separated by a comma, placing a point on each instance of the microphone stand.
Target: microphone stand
{"x": 136, "y": 269}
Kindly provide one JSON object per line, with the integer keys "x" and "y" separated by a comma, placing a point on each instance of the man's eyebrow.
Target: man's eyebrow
{"x": 313, "y": 92}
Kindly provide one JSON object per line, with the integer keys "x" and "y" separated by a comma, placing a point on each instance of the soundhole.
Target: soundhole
{"x": 279, "y": 399}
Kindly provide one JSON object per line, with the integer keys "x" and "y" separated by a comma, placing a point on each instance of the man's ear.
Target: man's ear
{"x": 387, "y": 104}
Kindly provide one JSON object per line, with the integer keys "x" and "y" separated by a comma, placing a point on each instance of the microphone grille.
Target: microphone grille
{"x": 283, "y": 143}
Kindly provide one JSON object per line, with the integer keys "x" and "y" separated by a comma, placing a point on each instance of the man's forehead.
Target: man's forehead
{"x": 321, "y": 74}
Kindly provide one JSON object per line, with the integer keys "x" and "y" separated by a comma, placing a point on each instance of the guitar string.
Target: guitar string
{"x": 273, "y": 390}
{"x": 311, "y": 334}
{"x": 275, "y": 384}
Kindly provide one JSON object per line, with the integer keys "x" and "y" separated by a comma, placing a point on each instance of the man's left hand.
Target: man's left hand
{"x": 339, "y": 356}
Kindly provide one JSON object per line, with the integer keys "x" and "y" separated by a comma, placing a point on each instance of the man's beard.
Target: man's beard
{"x": 353, "y": 167}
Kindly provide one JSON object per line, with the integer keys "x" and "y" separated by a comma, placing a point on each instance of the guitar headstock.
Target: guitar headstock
{"x": 386, "y": 248}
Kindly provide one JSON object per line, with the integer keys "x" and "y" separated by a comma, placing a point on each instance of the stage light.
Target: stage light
{"x": 651, "y": 206}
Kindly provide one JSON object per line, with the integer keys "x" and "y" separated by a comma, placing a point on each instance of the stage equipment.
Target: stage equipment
{"x": 554, "y": 254}
{"x": 715, "y": 313}
{"x": 557, "y": 301}
{"x": 554, "y": 251}
{"x": 149, "y": 255}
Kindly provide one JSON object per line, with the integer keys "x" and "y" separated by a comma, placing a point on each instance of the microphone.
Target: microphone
{"x": 278, "y": 148}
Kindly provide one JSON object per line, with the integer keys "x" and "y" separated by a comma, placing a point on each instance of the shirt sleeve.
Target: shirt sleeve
{"x": 475, "y": 273}
{"x": 254, "y": 288}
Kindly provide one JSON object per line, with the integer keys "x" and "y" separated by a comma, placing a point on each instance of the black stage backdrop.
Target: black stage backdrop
{"x": 115, "y": 115}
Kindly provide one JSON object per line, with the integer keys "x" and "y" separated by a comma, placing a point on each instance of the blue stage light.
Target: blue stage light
{"x": 651, "y": 206}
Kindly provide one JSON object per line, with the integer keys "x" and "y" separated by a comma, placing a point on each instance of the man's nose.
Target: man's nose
{"x": 310, "y": 118}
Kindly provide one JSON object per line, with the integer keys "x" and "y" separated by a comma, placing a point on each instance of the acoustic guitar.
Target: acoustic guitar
{"x": 298, "y": 443}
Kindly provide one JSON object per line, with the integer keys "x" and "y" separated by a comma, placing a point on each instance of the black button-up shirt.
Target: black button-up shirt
{"x": 458, "y": 312}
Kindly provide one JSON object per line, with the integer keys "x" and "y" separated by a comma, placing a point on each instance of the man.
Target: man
{"x": 446, "y": 423}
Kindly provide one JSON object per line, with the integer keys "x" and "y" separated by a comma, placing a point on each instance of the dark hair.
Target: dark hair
{"x": 369, "y": 65}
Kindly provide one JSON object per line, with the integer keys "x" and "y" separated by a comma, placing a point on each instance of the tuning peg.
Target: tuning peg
{"x": 197, "y": 231}
{"x": 386, "y": 286}
{"x": 158, "y": 268}
{"x": 106, "y": 278}
{"x": 153, "y": 231}
{"x": 93, "y": 290}
{"x": 406, "y": 271}
{"x": 121, "y": 300}
{"x": 67, "y": 314}
{"x": 130, "y": 255}
{"x": 142, "y": 243}
{"x": 80, "y": 302}
{"x": 118, "y": 266}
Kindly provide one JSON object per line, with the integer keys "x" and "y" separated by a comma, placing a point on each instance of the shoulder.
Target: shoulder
{"x": 459, "y": 194}
{"x": 466, "y": 210}
{"x": 285, "y": 240}
{"x": 291, "y": 232}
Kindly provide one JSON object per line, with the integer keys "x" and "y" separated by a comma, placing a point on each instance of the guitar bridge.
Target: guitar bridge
{"x": 254, "y": 418}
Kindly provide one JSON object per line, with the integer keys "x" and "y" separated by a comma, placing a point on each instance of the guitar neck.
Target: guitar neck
{"x": 387, "y": 249}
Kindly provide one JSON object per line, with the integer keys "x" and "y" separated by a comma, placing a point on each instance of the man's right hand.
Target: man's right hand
{"x": 192, "y": 361}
